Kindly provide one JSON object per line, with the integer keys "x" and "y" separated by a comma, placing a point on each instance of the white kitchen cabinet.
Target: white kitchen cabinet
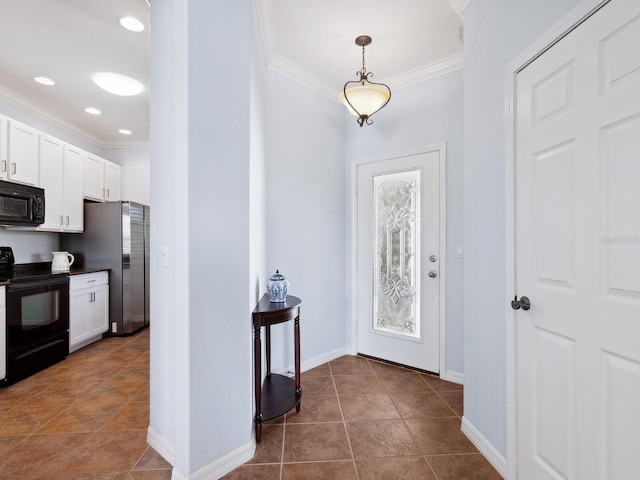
{"x": 112, "y": 181}
{"x": 4, "y": 135}
{"x": 88, "y": 308}
{"x": 22, "y": 154}
{"x": 72, "y": 199}
{"x": 61, "y": 177}
{"x": 101, "y": 179}
{"x": 93, "y": 177}
{"x": 3, "y": 334}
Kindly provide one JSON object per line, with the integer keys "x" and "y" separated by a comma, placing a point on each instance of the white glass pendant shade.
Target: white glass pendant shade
{"x": 366, "y": 99}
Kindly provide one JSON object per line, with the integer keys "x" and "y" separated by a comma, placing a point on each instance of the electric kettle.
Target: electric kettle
{"x": 62, "y": 261}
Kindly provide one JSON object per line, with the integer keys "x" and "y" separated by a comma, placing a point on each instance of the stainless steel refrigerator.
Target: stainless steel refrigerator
{"x": 116, "y": 236}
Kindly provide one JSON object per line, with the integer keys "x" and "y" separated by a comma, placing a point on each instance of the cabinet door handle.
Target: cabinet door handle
{"x": 108, "y": 194}
{"x": 61, "y": 220}
{"x": 4, "y": 165}
{"x": 90, "y": 281}
{"x": 13, "y": 168}
{"x": 103, "y": 193}
{"x": 67, "y": 220}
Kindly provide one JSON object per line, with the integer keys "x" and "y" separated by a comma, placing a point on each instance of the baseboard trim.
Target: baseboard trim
{"x": 161, "y": 445}
{"x": 482, "y": 444}
{"x": 223, "y": 465}
{"x": 454, "y": 377}
{"x": 316, "y": 361}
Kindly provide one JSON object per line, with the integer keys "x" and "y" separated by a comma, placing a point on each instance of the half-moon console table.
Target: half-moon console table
{"x": 279, "y": 393}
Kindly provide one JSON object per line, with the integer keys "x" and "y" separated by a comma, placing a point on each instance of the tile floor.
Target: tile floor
{"x": 83, "y": 418}
{"x": 86, "y": 418}
{"x": 365, "y": 420}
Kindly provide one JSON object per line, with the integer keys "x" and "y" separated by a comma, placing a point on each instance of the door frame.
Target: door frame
{"x": 572, "y": 20}
{"x": 352, "y": 329}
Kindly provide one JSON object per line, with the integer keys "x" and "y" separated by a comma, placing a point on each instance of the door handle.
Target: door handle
{"x": 523, "y": 303}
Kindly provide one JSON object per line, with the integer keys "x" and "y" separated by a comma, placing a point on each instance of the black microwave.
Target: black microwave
{"x": 21, "y": 204}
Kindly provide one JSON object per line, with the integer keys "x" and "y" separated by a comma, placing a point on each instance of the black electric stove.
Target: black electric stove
{"x": 37, "y": 317}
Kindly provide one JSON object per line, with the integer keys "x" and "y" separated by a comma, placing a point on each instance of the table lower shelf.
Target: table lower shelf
{"x": 278, "y": 396}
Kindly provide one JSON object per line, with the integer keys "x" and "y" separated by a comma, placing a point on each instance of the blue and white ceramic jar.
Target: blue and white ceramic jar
{"x": 277, "y": 287}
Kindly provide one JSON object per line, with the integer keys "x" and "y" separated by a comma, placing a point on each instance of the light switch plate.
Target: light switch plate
{"x": 164, "y": 257}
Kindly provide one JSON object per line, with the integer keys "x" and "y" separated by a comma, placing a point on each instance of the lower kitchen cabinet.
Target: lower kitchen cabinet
{"x": 88, "y": 308}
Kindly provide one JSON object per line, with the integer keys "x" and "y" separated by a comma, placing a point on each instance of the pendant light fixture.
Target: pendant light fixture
{"x": 364, "y": 98}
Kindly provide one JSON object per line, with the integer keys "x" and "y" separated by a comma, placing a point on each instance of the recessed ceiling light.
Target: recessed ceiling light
{"x": 131, "y": 23}
{"x": 92, "y": 111}
{"x": 118, "y": 84}
{"x": 44, "y": 81}
{"x": 124, "y": 131}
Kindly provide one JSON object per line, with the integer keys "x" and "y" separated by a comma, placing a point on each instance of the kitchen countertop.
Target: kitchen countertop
{"x": 23, "y": 272}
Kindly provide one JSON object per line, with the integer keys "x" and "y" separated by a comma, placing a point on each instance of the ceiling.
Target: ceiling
{"x": 309, "y": 41}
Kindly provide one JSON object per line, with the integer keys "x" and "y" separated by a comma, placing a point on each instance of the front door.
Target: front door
{"x": 398, "y": 259}
{"x": 578, "y": 253}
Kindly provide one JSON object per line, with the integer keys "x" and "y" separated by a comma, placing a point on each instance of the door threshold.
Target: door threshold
{"x": 399, "y": 365}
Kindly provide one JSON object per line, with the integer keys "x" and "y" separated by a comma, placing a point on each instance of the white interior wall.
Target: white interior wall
{"x": 425, "y": 114}
{"x": 305, "y": 180}
{"x": 136, "y": 172}
{"x": 496, "y": 31}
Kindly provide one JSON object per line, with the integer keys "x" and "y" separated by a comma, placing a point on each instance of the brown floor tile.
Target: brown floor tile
{"x": 322, "y": 370}
{"x": 76, "y": 476}
{"x": 463, "y": 467}
{"x": 316, "y": 410}
{"x": 455, "y": 399}
{"x": 143, "y": 395}
{"x": 269, "y": 450}
{"x": 317, "y": 385}
{"x": 255, "y": 472}
{"x": 160, "y": 474}
{"x": 7, "y": 442}
{"x": 133, "y": 416}
{"x": 81, "y": 418}
{"x": 381, "y": 438}
{"x": 358, "y": 385}
{"x": 48, "y": 376}
{"x": 344, "y": 470}
{"x": 382, "y": 368}
{"x": 151, "y": 460}
{"x": 41, "y": 454}
{"x": 61, "y": 393}
{"x": 441, "y": 385}
{"x": 420, "y": 405}
{"x": 27, "y": 419}
{"x": 349, "y": 365}
{"x": 132, "y": 373}
{"x": 107, "y": 451}
{"x": 313, "y": 442}
{"x": 404, "y": 383}
{"x": 395, "y": 468}
{"x": 367, "y": 407}
{"x": 17, "y": 394}
{"x": 114, "y": 392}
{"x": 440, "y": 435}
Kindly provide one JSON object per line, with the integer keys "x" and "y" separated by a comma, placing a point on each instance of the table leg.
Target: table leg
{"x": 257, "y": 367}
{"x": 296, "y": 336}
{"x": 268, "y": 348}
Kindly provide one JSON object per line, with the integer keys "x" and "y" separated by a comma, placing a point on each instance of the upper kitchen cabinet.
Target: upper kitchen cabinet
{"x": 62, "y": 179}
{"x": 4, "y": 130}
{"x": 102, "y": 179}
{"x": 22, "y": 154}
{"x": 112, "y": 181}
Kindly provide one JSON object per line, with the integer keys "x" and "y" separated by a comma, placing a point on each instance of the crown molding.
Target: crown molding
{"x": 427, "y": 72}
{"x": 460, "y": 6}
{"x": 294, "y": 72}
{"x": 28, "y": 106}
{"x": 133, "y": 145}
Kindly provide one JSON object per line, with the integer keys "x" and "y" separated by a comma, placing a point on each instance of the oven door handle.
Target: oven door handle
{"x": 14, "y": 287}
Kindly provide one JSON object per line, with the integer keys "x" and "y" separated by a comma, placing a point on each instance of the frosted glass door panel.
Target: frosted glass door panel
{"x": 397, "y": 262}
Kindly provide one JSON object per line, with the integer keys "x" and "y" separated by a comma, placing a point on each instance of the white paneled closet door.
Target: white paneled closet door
{"x": 578, "y": 253}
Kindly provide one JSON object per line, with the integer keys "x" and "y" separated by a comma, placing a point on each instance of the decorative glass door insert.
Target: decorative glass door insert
{"x": 396, "y": 305}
